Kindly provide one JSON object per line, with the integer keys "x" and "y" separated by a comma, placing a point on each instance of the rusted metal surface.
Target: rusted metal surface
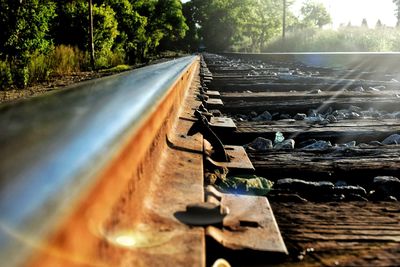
{"x": 249, "y": 224}
{"x": 125, "y": 213}
{"x": 238, "y": 160}
{"x": 214, "y": 103}
{"x": 213, "y": 94}
{"x": 222, "y": 122}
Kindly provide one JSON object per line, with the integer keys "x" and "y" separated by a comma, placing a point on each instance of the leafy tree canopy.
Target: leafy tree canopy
{"x": 24, "y": 27}
{"x": 315, "y": 14}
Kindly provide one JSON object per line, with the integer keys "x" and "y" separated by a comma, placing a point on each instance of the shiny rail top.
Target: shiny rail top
{"x": 52, "y": 146}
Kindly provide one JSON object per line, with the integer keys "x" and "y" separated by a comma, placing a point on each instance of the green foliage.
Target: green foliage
{"x": 234, "y": 24}
{"x": 5, "y": 75}
{"x": 67, "y": 60}
{"x": 105, "y": 32}
{"x": 39, "y": 68}
{"x": 259, "y": 21}
{"x": 191, "y": 40}
{"x": 315, "y": 14}
{"x": 131, "y": 26}
{"x": 117, "y": 68}
{"x": 24, "y": 26}
{"x": 346, "y": 39}
{"x": 71, "y": 26}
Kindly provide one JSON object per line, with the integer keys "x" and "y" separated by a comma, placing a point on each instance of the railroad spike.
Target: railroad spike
{"x": 203, "y": 127}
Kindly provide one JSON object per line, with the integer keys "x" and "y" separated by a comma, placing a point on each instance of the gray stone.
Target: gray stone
{"x": 391, "y": 199}
{"x": 319, "y": 145}
{"x": 260, "y": 144}
{"x": 340, "y": 183}
{"x": 316, "y": 91}
{"x": 253, "y": 114}
{"x": 385, "y": 186}
{"x": 353, "y": 115}
{"x": 359, "y": 89}
{"x": 284, "y": 117}
{"x": 313, "y": 113}
{"x": 265, "y": 116}
{"x": 286, "y": 144}
{"x": 350, "y": 189}
{"x": 241, "y": 117}
{"x": 375, "y": 143}
{"x": 355, "y": 197}
{"x": 307, "y": 142}
{"x": 349, "y": 144}
{"x": 373, "y": 89}
{"x": 300, "y": 116}
{"x": 315, "y": 119}
{"x": 354, "y": 109}
{"x": 331, "y": 118}
{"x": 310, "y": 190}
{"x": 394, "y": 139}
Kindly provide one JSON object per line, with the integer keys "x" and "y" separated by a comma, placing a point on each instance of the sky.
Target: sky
{"x": 343, "y": 11}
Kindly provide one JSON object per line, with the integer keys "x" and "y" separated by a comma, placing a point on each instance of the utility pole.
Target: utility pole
{"x": 284, "y": 20}
{"x": 91, "y": 44}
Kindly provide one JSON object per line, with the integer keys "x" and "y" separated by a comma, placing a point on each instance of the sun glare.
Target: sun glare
{"x": 354, "y": 11}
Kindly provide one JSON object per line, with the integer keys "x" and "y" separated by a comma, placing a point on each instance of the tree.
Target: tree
{"x": 315, "y": 14}
{"x": 397, "y": 13}
{"x": 24, "y": 30}
{"x": 71, "y": 27}
{"x": 225, "y": 24}
{"x": 191, "y": 41}
{"x": 259, "y": 21}
{"x": 364, "y": 23}
{"x": 379, "y": 24}
{"x": 131, "y": 27}
{"x": 169, "y": 22}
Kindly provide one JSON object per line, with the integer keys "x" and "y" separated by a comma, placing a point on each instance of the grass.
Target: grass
{"x": 61, "y": 60}
{"x": 118, "y": 68}
{"x": 352, "y": 39}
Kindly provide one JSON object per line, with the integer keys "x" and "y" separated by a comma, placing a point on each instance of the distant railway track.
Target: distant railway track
{"x": 124, "y": 170}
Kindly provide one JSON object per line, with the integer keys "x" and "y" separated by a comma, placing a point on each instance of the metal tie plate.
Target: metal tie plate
{"x": 222, "y": 122}
{"x": 213, "y": 94}
{"x": 248, "y": 224}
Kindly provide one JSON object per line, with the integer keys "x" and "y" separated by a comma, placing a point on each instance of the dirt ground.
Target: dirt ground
{"x": 54, "y": 83}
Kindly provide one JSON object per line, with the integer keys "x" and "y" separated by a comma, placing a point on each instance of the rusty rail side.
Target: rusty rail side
{"x": 78, "y": 184}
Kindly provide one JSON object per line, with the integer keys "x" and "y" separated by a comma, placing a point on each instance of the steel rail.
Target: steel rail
{"x": 53, "y": 148}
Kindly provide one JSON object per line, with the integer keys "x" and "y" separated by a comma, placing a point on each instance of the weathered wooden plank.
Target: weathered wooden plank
{"x": 349, "y": 164}
{"x": 285, "y": 86}
{"x": 325, "y": 95}
{"x": 331, "y": 243}
{"x": 389, "y": 104}
{"x": 362, "y": 131}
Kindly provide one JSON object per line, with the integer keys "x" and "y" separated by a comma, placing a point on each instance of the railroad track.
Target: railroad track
{"x": 158, "y": 166}
{"x": 338, "y": 150}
